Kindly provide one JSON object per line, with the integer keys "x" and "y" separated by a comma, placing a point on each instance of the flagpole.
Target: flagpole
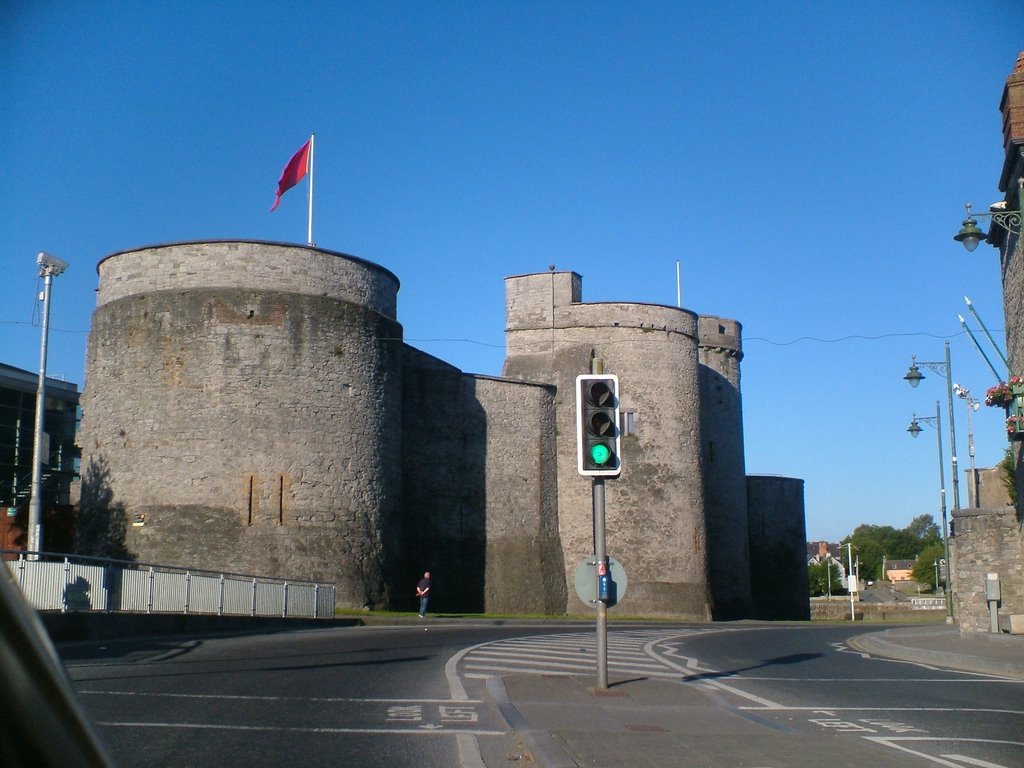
{"x": 309, "y": 233}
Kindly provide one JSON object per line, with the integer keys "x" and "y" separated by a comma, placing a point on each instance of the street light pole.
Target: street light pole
{"x": 49, "y": 267}
{"x": 915, "y": 429}
{"x": 849, "y": 576}
{"x": 973, "y": 491}
{"x": 914, "y": 377}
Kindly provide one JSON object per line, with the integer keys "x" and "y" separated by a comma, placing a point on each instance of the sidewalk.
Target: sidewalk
{"x": 944, "y": 646}
{"x": 564, "y": 722}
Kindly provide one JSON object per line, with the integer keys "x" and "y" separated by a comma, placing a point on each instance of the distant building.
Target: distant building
{"x": 898, "y": 570}
{"x": 18, "y": 391}
{"x": 820, "y": 552}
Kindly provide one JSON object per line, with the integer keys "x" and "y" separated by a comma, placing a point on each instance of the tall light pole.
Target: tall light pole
{"x": 49, "y": 268}
{"x": 850, "y": 575}
{"x": 914, "y": 377}
{"x": 915, "y": 429}
{"x": 972, "y": 405}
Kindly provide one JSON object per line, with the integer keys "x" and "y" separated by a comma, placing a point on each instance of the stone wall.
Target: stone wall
{"x": 989, "y": 540}
{"x": 778, "y": 553}
{"x": 251, "y": 407}
{"x": 991, "y": 489}
{"x": 480, "y": 490}
{"x": 725, "y": 494}
{"x": 985, "y": 541}
{"x": 655, "y": 509}
{"x": 243, "y": 407}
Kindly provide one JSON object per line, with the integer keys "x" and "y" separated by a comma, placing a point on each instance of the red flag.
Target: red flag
{"x": 292, "y": 173}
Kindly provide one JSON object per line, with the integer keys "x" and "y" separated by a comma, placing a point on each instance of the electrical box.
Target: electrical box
{"x": 992, "y": 587}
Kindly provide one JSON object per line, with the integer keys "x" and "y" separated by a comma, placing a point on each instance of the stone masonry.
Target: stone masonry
{"x": 991, "y": 539}
{"x": 254, "y": 408}
{"x": 245, "y": 399}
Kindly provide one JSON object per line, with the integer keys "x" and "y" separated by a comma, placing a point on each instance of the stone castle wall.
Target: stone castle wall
{"x": 725, "y": 497}
{"x": 253, "y": 408}
{"x": 655, "y": 510}
{"x": 480, "y": 489}
{"x": 778, "y": 553}
{"x": 243, "y": 400}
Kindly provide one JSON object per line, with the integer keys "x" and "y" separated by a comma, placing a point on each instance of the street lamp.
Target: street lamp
{"x": 49, "y": 268}
{"x": 970, "y": 233}
{"x": 914, "y": 377}
{"x": 852, "y": 585}
{"x": 972, "y": 405}
{"x": 915, "y": 429}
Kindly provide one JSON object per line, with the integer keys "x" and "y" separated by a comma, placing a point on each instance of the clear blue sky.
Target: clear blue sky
{"x": 806, "y": 162}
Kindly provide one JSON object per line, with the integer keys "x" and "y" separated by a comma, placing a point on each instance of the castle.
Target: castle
{"x": 253, "y": 407}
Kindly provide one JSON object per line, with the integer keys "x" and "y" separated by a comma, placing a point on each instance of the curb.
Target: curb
{"x": 543, "y": 745}
{"x": 876, "y": 645}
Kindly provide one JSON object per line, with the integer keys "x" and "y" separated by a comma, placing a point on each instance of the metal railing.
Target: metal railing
{"x": 61, "y": 582}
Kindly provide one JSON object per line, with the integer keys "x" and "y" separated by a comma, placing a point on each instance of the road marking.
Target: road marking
{"x": 692, "y": 668}
{"x": 785, "y": 708}
{"x": 433, "y": 730}
{"x": 946, "y": 760}
{"x": 864, "y": 724}
{"x": 320, "y": 699}
{"x": 973, "y": 761}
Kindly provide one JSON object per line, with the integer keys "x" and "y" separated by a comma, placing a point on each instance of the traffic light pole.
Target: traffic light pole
{"x": 601, "y": 550}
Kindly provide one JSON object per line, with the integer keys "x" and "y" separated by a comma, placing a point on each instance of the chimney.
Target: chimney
{"x": 1012, "y": 105}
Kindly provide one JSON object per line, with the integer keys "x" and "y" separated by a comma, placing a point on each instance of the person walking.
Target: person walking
{"x": 423, "y": 593}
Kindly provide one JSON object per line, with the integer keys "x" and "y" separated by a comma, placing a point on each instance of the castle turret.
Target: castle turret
{"x": 725, "y": 495}
{"x": 243, "y": 406}
{"x": 655, "y": 511}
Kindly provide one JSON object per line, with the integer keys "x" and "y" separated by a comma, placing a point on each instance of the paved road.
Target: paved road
{"x": 453, "y": 694}
{"x": 360, "y": 696}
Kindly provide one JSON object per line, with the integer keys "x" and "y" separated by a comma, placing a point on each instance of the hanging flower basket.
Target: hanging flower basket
{"x": 1001, "y": 395}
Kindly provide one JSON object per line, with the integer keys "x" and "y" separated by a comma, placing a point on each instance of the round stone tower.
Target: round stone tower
{"x": 725, "y": 495}
{"x": 243, "y": 406}
{"x": 655, "y": 509}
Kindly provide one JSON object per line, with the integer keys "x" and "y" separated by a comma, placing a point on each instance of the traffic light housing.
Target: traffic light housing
{"x": 597, "y": 425}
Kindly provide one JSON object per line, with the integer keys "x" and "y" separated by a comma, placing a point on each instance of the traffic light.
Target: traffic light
{"x": 597, "y": 425}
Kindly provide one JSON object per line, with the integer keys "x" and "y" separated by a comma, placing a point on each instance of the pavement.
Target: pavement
{"x": 565, "y": 722}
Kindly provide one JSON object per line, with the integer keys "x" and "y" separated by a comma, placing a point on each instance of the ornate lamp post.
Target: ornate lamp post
{"x": 914, "y": 377}
{"x": 915, "y": 429}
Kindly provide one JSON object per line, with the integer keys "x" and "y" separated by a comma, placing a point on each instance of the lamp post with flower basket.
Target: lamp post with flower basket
{"x": 915, "y": 429}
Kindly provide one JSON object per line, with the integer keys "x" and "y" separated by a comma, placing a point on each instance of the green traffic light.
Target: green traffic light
{"x": 599, "y": 453}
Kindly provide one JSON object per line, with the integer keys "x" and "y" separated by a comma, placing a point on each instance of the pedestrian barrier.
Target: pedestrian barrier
{"x": 60, "y": 582}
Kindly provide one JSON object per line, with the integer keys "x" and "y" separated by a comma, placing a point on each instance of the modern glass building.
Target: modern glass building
{"x": 61, "y": 462}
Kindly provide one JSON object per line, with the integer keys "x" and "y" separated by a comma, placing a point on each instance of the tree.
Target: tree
{"x": 924, "y": 565}
{"x": 1009, "y": 473}
{"x": 873, "y": 542}
{"x": 925, "y": 529}
{"x": 818, "y": 576}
